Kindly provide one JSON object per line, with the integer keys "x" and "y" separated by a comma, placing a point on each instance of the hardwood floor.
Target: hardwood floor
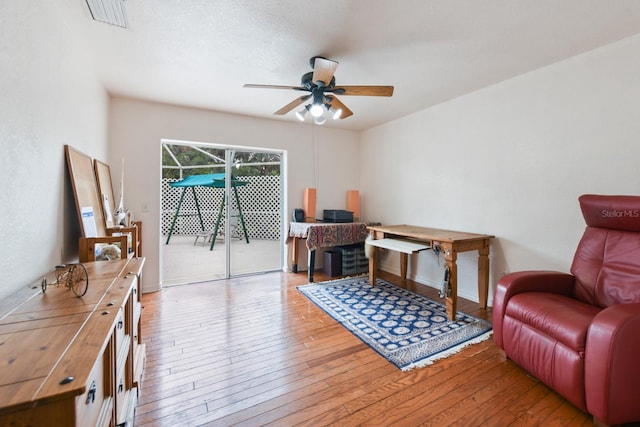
{"x": 254, "y": 351}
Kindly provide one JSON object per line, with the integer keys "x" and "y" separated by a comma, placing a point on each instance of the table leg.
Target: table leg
{"x": 403, "y": 265}
{"x": 452, "y": 298}
{"x": 483, "y": 275}
{"x": 312, "y": 264}
{"x": 294, "y": 255}
{"x": 373, "y": 265}
{"x": 373, "y": 261}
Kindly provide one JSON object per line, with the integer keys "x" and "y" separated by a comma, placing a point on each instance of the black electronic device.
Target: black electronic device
{"x": 298, "y": 215}
{"x": 335, "y": 215}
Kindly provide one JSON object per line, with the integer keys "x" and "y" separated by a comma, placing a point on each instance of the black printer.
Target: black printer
{"x": 335, "y": 215}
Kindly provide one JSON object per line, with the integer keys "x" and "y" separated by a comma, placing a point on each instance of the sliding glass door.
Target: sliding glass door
{"x": 253, "y": 212}
{"x": 222, "y": 211}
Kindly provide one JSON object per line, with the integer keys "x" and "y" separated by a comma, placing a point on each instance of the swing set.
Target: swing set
{"x": 215, "y": 180}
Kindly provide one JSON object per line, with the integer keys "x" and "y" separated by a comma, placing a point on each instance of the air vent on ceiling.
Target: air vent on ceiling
{"x": 108, "y": 11}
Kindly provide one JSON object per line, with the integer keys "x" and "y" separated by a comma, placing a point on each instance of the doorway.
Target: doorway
{"x": 222, "y": 211}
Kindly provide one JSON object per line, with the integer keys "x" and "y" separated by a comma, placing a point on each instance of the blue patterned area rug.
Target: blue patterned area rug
{"x": 407, "y": 329}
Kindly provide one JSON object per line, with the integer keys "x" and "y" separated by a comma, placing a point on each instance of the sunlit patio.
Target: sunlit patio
{"x": 184, "y": 260}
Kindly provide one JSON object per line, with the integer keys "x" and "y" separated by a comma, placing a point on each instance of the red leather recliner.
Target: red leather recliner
{"x": 579, "y": 333}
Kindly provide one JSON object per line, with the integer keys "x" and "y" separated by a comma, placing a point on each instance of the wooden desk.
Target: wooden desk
{"x": 321, "y": 235}
{"x": 448, "y": 242}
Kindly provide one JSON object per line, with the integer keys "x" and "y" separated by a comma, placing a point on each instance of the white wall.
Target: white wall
{"x": 511, "y": 161}
{"x": 48, "y": 97}
{"x": 317, "y": 157}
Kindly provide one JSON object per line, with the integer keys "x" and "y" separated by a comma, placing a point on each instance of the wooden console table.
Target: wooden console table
{"x": 447, "y": 241}
{"x": 74, "y": 361}
{"x": 322, "y": 235}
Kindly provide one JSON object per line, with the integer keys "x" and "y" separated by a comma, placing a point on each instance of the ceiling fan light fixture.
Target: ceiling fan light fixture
{"x": 319, "y": 120}
{"x": 335, "y": 112}
{"x": 316, "y": 110}
{"x": 300, "y": 114}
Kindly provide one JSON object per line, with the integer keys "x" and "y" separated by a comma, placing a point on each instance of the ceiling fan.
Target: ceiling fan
{"x": 321, "y": 85}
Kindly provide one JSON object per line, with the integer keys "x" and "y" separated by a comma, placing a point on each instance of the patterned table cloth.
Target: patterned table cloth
{"x": 321, "y": 234}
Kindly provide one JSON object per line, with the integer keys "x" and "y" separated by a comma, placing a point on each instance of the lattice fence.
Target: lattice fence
{"x": 259, "y": 200}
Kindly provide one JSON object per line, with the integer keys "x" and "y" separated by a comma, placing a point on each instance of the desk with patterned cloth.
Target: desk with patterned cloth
{"x": 322, "y": 235}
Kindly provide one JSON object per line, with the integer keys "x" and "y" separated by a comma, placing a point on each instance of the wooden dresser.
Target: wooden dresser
{"x": 69, "y": 361}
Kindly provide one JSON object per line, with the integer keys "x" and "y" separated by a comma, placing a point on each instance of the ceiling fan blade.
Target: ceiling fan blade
{"x": 364, "y": 90}
{"x": 323, "y": 70}
{"x": 290, "y": 106}
{"x": 336, "y": 103}
{"x": 273, "y": 87}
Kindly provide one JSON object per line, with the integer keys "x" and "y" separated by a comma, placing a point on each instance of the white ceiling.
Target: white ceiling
{"x": 199, "y": 53}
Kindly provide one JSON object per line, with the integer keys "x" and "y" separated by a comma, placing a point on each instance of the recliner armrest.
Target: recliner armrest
{"x": 526, "y": 281}
{"x": 612, "y": 371}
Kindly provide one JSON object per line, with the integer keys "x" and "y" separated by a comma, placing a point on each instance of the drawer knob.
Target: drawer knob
{"x": 66, "y": 380}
